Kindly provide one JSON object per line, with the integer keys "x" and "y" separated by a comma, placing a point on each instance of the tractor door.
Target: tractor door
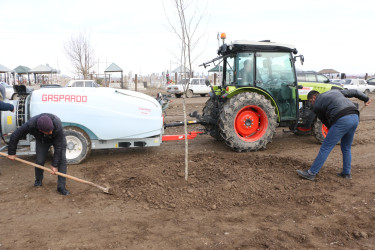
{"x": 275, "y": 74}
{"x": 245, "y": 68}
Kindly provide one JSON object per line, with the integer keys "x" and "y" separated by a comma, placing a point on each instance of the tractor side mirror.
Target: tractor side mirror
{"x": 301, "y": 58}
{"x": 207, "y": 82}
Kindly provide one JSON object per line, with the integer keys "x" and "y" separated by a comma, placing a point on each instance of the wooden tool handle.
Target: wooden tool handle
{"x": 57, "y": 173}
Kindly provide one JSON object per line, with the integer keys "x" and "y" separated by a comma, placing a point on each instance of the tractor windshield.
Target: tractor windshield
{"x": 271, "y": 71}
{"x": 274, "y": 67}
{"x": 275, "y": 74}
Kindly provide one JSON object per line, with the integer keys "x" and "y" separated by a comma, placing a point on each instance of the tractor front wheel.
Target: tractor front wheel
{"x": 320, "y": 130}
{"x": 247, "y": 122}
{"x": 302, "y": 131}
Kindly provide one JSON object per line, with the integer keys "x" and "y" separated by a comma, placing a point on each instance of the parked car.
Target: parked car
{"x": 8, "y": 89}
{"x": 82, "y": 83}
{"x": 50, "y": 86}
{"x": 197, "y": 86}
{"x": 358, "y": 84}
{"x": 311, "y": 76}
{"x": 337, "y": 81}
{"x": 371, "y": 82}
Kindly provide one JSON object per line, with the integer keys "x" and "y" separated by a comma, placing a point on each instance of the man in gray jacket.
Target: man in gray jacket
{"x": 341, "y": 116}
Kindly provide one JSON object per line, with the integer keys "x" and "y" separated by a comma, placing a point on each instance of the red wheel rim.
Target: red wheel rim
{"x": 303, "y": 129}
{"x": 251, "y": 123}
{"x": 324, "y": 130}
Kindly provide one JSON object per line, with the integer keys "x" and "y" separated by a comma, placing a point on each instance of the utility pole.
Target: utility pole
{"x": 218, "y": 43}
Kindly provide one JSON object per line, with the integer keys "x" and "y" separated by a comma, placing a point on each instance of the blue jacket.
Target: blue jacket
{"x": 332, "y": 105}
{"x": 6, "y": 106}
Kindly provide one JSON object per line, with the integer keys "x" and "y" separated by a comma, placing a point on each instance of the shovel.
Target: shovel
{"x": 104, "y": 189}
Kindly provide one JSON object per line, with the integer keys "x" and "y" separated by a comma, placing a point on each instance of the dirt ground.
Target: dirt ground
{"x": 231, "y": 200}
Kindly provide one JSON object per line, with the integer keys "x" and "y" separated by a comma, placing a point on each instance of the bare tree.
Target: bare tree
{"x": 186, "y": 30}
{"x": 79, "y": 51}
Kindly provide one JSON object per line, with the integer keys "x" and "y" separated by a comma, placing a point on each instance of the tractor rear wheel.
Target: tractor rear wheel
{"x": 78, "y": 145}
{"x": 247, "y": 122}
{"x": 320, "y": 130}
{"x": 209, "y": 111}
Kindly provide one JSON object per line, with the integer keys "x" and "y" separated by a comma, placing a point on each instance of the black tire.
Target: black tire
{"x": 203, "y": 95}
{"x": 248, "y": 122}
{"x": 78, "y": 146}
{"x": 302, "y": 131}
{"x": 319, "y": 131}
{"x": 14, "y": 96}
{"x": 189, "y": 93}
{"x": 178, "y": 95}
{"x": 208, "y": 111}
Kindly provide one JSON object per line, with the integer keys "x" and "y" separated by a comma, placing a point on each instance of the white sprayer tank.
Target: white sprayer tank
{"x": 104, "y": 113}
{"x": 93, "y": 118}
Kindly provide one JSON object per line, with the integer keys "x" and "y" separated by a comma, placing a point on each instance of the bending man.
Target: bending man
{"x": 340, "y": 115}
{"x": 48, "y": 131}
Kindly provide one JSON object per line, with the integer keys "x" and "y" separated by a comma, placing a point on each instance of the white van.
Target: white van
{"x": 358, "y": 84}
{"x": 197, "y": 86}
{"x": 82, "y": 83}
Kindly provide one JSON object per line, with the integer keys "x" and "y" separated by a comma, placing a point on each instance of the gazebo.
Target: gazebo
{"x": 43, "y": 70}
{"x": 112, "y": 69}
{"x": 5, "y": 70}
{"x": 329, "y": 72}
{"x": 215, "y": 69}
{"x": 180, "y": 72}
{"x": 22, "y": 70}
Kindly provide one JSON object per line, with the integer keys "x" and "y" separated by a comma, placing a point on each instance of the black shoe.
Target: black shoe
{"x": 63, "y": 191}
{"x": 305, "y": 174}
{"x": 345, "y": 176}
{"x": 37, "y": 183}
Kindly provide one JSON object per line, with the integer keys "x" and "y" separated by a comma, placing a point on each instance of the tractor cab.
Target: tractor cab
{"x": 264, "y": 67}
{"x": 269, "y": 70}
{"x": 258, "y": 92}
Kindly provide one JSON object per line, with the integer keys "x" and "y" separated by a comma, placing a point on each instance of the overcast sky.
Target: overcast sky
{"x": 135, "y": 34}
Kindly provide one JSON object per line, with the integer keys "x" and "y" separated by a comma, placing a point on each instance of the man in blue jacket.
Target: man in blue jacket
{"x": 3, "y": 105}
{"x": 341, "y": 116}
{"x": 48, "y": 131}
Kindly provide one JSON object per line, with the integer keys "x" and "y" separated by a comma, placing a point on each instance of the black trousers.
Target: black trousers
{"x": 41, "y": 155}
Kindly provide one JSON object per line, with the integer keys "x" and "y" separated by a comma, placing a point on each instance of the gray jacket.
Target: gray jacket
{"x": 333, "y": 104}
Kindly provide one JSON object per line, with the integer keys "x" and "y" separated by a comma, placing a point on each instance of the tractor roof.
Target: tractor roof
{"x": 254, "y": 46}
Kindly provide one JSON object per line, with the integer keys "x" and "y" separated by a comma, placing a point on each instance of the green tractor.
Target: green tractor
{"x": 259, "y": 92}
